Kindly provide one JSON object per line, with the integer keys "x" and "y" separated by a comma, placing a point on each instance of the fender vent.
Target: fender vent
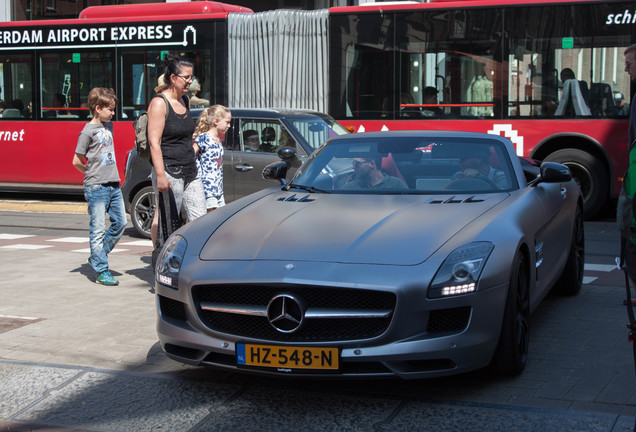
{"x": 452, "y": 200}
{"x": 293, "y": 198}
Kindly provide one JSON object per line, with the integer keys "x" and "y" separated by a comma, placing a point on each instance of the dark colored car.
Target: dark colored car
{"x": 251, "y": 144}
{"x": 430, "y": 266}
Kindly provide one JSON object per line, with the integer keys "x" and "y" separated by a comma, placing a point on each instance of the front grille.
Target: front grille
{"x": 448, "y": 320}
{"x": 314, "y": 329}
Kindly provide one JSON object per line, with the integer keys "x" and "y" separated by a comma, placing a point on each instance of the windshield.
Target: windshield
{"x": 409, "y": 165}
{"x": 316, "y": 130}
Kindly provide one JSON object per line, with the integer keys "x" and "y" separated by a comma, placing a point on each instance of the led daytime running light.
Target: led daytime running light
{"x": 459, "y": 289}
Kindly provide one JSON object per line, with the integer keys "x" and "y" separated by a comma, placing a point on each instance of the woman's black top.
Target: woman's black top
{"x": 176, "y": 143}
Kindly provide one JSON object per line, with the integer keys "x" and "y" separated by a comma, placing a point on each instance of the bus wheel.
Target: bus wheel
{"x": 589, "y": 173}
{"x": 142, "y": 210}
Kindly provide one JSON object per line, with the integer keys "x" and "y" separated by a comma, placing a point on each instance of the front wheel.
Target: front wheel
{"x": 590, "y": 174}
{"x": 511, "y": 354}
{"x": 142, "y": 210}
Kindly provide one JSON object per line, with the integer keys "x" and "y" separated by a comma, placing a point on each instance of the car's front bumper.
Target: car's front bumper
{"x": 412, "y": 346}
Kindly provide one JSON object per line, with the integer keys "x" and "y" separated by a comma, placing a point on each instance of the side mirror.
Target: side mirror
{"x": 286, "y": 153}
{"x": 276, "y": 171}
{"x": 552, "y": 172}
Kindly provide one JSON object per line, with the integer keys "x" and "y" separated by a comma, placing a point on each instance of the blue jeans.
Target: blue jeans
{"x": 104, "y": 199}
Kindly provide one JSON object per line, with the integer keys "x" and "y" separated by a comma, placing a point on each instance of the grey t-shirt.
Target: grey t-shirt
{"x": 95, "y": 142}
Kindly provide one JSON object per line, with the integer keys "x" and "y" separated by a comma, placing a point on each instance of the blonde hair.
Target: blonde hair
{"x": 206, "y": 119}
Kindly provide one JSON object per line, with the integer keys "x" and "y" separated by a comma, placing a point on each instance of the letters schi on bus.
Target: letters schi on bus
{"x": 626, "y": 17}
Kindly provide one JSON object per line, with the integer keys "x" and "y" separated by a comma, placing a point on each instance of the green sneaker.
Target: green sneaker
{"x": 89, "y": 261}
{"x": 105, "y": 278}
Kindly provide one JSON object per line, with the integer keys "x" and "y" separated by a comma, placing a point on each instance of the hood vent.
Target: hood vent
{"x": 292, "y": 198}
{"x": 452, "y": 200}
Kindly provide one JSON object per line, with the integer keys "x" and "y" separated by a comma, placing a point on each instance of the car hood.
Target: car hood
{"x": 355, "y": 229}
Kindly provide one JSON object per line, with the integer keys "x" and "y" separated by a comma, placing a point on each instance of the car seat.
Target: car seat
{"x": 268, "y": 137}
{"x": 11, "y": 113}
{"x": 389, "y": 166}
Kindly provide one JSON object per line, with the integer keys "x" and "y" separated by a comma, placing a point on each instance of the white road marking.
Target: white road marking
{"x": 600, "y": 267}
{"x": 137, "y": 243}
{"x": 14, "y": 236}
{"x": 70, "y": 240}
{"x": 25, "y": 246}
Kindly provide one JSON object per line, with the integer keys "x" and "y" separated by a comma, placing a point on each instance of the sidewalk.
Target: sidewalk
{"x": 43, "y": 207}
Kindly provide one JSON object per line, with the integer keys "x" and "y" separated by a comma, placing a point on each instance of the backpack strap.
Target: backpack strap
{"x": 165, "y": 99}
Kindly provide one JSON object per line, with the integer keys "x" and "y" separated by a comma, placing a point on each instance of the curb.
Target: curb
{"x": 43, "y": 207}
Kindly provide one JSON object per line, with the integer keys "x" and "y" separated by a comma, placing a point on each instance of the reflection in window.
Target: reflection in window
{"x": 262, "y": 136}
{"x": 16, "y": 93}
{"x": 424, "y": 64}
{"x": 559, "y": 75}
{"x": 67, "y": 78}
{"x": 143, "y": 69}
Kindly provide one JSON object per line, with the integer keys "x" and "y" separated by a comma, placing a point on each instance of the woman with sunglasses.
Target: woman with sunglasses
{"x": 170, "y": 129}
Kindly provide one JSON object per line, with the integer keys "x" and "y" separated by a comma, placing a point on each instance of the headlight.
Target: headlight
{"x": 170, "y": 261}
{"x": 460, "y": 272}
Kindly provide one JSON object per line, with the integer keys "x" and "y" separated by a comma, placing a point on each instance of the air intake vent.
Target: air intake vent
{"x": 452, "y": 200}
{"x": 293, "y": 198}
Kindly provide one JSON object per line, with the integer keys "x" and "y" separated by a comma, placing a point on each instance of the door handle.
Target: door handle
{"x": 564, "y": 192}
{"x": 243, "y": 168}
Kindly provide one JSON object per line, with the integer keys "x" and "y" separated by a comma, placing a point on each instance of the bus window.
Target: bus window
{"x": 364, "y": 87}
{"x": 16, "y": 92}
{"x": 450, "y": 55}
{"x": 140, "y": 71}
{"x": 563, "y": 73}
{"x": 67, "y": 78}
{"x": 453, "y": 52}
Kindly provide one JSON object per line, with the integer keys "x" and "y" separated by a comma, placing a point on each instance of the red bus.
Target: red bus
{"x": 495, "y": 67}
{"x": 547, "y": 75}
{"x": 47, "y": 69}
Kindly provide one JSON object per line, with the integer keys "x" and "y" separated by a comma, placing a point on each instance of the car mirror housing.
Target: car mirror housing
{"x": 287, "y": 153}
{"x": 276, "y": 171}
{"x": 552, "y": 172}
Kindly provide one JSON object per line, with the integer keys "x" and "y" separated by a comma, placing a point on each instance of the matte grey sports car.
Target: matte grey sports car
{"x": 413, "y": 254}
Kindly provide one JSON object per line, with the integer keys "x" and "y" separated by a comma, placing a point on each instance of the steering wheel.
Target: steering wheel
{"x": 478, "y": 182}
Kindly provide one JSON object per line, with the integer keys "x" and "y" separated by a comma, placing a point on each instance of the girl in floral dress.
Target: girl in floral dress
{"x": 213, "y": 122}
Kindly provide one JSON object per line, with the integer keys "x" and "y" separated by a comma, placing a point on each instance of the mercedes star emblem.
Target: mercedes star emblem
{"x": 285, "y": 313}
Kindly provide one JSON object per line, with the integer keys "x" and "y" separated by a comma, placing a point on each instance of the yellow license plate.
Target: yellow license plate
{"x": 287, "y": 358}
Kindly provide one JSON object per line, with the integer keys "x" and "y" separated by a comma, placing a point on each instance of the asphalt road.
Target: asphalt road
{"x": 75, "y": 355}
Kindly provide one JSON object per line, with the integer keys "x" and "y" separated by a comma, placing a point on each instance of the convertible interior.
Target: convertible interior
{"x": 443, "y": 166}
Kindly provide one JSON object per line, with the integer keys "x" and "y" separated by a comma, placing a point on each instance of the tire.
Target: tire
{"x": 590, "y": 174}
{"x": 571, "y": 280}
{"x": 142, "y": 210}
{"x": 511, "y": 354}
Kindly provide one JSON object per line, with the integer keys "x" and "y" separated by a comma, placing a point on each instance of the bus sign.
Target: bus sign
{"x": 106, "y": 35}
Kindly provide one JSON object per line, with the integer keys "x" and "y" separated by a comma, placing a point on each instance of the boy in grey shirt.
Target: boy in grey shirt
{"x": 95, "y": 158}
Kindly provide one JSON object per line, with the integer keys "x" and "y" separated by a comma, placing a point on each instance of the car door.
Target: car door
{"x": 251, "y": 145}
{"x": 554, "y": 236}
